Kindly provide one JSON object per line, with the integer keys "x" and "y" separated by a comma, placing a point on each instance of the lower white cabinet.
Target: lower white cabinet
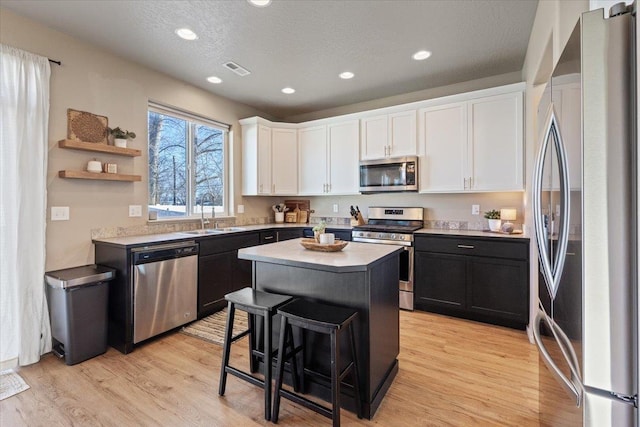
{"x": 328, "y": 159}
{"x": 473, "y": 146}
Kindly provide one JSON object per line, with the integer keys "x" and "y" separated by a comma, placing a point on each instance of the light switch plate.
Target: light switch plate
{"x": 135, "y": 210}
{"x": 59, "y": 213}
{"x": 335, "y": 207}
{"x": 240, "y": 208}
{"x": 475, "y": 209}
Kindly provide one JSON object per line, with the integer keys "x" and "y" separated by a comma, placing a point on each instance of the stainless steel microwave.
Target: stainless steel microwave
{"x": 385, "y": 175}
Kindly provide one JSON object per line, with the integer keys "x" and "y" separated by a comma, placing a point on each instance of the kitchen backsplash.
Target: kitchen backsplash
{"x": 170, "y": 227}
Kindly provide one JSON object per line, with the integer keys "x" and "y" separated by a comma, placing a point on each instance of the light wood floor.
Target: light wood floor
{"x": 452, "y": 372}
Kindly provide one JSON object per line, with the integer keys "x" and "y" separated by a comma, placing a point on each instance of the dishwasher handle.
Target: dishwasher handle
{"x": 158, "y": 253}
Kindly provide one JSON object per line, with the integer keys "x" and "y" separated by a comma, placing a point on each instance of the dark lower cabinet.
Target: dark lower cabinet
{"x": 476, "y": 279}
{"x": 220, "y": 271}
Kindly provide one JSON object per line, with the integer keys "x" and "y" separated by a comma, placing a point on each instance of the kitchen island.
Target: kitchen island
{"x": 362, "y": 276}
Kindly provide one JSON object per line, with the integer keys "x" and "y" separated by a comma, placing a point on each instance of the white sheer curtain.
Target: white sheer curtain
{"x": 25, "y": 332}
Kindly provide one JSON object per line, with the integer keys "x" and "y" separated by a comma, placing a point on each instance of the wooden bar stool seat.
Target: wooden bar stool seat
{"x": 255, "y": 303}
{"x": 325, "y": 319}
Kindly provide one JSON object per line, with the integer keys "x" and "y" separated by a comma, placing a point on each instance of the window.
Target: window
{"x": 187, "y": 164}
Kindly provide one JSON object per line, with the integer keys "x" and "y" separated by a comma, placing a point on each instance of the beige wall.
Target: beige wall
{"x": 91, "y": 79}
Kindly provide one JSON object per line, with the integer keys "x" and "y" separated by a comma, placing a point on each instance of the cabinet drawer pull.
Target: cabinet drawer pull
{"x": 466, "y": 246}
{"x": 268, "y": 237}
{"x": 571, "y": 253}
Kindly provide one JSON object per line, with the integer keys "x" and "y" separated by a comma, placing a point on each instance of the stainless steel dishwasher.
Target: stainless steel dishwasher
{"x": 165, "y": 288}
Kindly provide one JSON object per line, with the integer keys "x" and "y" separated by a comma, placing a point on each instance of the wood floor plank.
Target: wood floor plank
{"x": 452, "y": 373}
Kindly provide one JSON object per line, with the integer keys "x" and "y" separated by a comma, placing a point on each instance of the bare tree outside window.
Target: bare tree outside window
{"x": 177, "y": 188}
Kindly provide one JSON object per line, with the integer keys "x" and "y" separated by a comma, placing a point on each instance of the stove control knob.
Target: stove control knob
{"x": 380, "y": 235}
{"x": 394, "y": 237}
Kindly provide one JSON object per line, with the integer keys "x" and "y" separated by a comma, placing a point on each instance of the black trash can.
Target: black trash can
{"x": 78, "y": 301}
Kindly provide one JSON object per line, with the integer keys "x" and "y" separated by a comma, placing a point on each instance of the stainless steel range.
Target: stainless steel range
{"x": 394, "y": 226}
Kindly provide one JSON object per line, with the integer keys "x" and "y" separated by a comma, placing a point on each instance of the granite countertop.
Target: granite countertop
{"x": 471, "y": 233}
{"x": 354, "y": 257}
{"x": 148, "y": 239}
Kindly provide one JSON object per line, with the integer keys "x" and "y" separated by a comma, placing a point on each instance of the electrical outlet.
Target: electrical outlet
{"x": 240, "y": 208}
{"x": 135, "y": 210}
{"x": 335, "y": 208}
{"x": 475, "y": 209}
{"x": 557, "y": 211}
{"x": 60, "y": 213}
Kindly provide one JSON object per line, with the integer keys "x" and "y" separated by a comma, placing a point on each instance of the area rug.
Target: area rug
{"x": 11, "y": 383}
{"x": 212, "y": 327}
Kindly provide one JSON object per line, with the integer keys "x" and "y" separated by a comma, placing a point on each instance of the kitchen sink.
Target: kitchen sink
{"x": 202, "y": 232}
{"x": 207, "y": 231}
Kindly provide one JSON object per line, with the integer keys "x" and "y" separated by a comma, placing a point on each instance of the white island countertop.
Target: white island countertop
{"x": 354, "y": 257}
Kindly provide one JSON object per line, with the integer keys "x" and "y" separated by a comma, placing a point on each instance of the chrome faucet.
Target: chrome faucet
{"x": 204, "y": 221}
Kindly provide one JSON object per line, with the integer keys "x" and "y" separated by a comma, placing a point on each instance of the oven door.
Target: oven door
{"x": 406, "y": 278}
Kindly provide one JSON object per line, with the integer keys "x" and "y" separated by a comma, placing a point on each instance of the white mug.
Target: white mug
{"x": 94, "y": 166}
{"x": 327, "y": 239}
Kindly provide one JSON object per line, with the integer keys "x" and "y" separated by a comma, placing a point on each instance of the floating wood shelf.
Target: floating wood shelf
{"x": 99, "y": 148}
{"x": 99, "y": 176}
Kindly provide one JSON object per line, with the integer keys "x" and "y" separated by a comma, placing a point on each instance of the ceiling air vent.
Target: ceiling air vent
{"x": 241, "y": 71}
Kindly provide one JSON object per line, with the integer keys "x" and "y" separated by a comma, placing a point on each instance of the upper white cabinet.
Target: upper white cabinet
{"x": 328, "y": 159}
{"x": 495, "y": 126}
{"x": 269, "y": 159}
{"x": 284, "y": 161}
{"x": 444, "y": 132}
{"x": 388, "y": 135}
{"x": 474, "y": 145}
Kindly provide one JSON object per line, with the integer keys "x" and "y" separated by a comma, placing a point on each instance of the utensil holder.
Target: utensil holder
{"x": 279, "y": 217}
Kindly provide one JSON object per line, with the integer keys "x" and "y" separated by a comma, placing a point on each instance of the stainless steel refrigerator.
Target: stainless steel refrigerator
{"x": 585, "y": 204}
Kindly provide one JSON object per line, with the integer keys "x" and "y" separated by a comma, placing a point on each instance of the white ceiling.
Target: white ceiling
{"x": 304, "y": 44}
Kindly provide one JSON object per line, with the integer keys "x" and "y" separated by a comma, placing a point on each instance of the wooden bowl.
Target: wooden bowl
{"x": 311, "y": 244}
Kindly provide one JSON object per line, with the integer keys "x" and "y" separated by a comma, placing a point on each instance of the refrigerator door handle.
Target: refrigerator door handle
{"x": 573, "y": 389}
{"x": 551, "y": 269}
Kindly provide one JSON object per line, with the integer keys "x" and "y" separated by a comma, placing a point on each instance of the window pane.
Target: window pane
{"x": 209, "y": 168}
{"x": 167, "y": 165}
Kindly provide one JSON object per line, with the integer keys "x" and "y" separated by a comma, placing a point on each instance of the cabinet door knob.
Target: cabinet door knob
{"x": 466, "y": 246}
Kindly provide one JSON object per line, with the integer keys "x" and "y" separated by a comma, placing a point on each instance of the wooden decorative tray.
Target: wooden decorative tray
{"x": 315, "y": 246}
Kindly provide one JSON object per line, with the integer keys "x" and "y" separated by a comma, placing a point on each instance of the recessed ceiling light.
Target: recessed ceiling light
{"x": 422, "y": 54}
{"x": 346, "y": 75}
{"x": 260, "y": 3}
{"x": 214, "y": 79}
{"x": 186, "y": 34}
{"x": 288, "y": 90}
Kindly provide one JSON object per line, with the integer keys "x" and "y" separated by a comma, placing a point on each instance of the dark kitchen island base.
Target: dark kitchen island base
{"x": 364, "y": 277}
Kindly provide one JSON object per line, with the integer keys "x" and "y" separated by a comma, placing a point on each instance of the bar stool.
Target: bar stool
{"x": 262, "y": 304}
{"x": 326, "y": 319}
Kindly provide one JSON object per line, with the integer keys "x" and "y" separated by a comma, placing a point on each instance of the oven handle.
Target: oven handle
{"x": 381, "y": 242}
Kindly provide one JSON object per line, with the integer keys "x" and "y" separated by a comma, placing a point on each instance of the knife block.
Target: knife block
{"x": 359, "y": 221}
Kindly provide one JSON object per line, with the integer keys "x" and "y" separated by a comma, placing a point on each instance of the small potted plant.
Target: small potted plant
{"x": 318, "y": 230}
{"x": 120, "y": 137}
{"x": 494, "y": 219}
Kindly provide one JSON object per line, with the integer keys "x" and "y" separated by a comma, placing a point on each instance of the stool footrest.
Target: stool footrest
{"x": 327, "y": 379}
{"x": 243, "y": 375}
{"x": 322, "y": 410}
{"x": 240, "y": 335}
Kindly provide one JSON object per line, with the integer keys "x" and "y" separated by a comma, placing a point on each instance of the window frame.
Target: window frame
{"x": 193, "y": 120}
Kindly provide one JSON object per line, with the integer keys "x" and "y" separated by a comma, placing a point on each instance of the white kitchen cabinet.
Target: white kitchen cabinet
{"x": 388, "y": 135}
{"x": 284, "y": 161}
{"x": 312, "y": 160}
{"x": 444, "y": 132}
{"x": 328, "y": 159}
{"x": 496, "y": 160}
{"x": 474, "y": 145}
{"x": 344, "y": 177}
{"x": 269, "y": 159}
